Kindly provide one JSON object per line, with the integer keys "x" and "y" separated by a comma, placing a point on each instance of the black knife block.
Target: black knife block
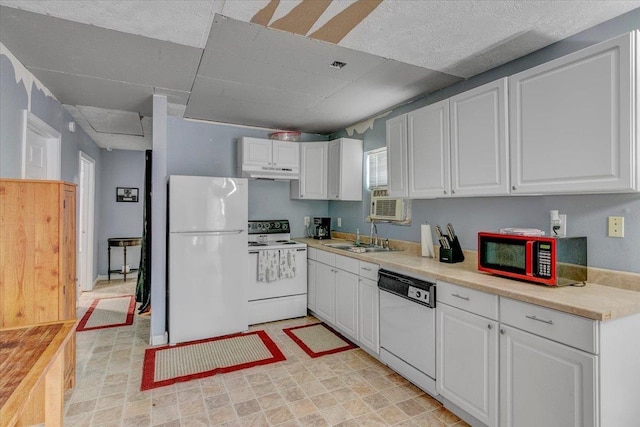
{"x": 454, "y": 253}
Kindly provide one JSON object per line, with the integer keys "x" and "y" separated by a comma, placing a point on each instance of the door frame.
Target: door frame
{"x": 54, "y": 142}
{"x": 87, "y": 209}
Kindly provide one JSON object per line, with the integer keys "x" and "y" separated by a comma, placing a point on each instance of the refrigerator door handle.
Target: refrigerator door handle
{"x": 208, "y": 233}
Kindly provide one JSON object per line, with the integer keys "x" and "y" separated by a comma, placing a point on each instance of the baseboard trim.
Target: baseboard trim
{"x": 115, "y": 276}
{"x": 159, "y": 339}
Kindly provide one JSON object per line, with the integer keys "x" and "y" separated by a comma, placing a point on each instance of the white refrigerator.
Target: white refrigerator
{"x": 208, "y": 257}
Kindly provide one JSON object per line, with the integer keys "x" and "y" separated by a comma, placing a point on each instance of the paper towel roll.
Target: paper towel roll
{"x": 426, "y": 241}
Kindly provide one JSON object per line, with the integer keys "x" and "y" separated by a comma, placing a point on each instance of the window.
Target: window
{"x": 377, "y": 167}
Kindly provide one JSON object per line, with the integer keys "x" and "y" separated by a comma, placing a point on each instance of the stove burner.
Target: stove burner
{"x": 257, "y": 244}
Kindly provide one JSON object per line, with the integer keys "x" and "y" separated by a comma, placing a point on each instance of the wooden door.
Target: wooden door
{"x": 67, "y": 298}
{"x": 29, "y": 252}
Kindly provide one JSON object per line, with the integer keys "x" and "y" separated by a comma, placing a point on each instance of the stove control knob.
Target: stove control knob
{"x": 418, "y": 295}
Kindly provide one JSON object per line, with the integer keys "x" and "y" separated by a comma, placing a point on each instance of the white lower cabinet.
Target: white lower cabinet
{"x": 544, "y": 383}
{"x": 467, "y": 374}
{"x": 345, "y": 296}
{"x": 325, "y": 292}
{"x": 312, "y": 271}
{"x": 467, "y": 351}
{"x": 347, "y": 303}
{"x": 368, "y": 314}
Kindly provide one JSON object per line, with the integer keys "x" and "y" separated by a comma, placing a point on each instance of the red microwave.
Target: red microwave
{"x": 552, "y": 261}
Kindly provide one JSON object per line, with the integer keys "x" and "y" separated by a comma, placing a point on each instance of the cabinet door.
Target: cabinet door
{"x": 285, "y": 154}
{"x": 467, "y": 362}
{"x": 313, "y": 176}
{"x": 256, "y": 151}
{"x": 368, "y": 313}
{"x": 397, "y": 156}
{"x": 571, "y": 122}
{"x": 334, "y": 177}
{"x": 347, "y": 303}
{"x": 479, "y": 150}
{"x": 428, "y": 151}
{"x": 543, "y": 383}
{"x": 325, "y": 292}
{"x": 312, "y": 271}
{"x": 348, "y": 159}
{"x": 67, "y": 296}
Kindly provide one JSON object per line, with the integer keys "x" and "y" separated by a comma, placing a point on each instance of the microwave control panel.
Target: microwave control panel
{"x": 544, "y": 260}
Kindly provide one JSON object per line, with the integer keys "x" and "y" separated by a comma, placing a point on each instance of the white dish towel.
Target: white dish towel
{"x": 268, "y": 265}
{"x": 287, "y": 263}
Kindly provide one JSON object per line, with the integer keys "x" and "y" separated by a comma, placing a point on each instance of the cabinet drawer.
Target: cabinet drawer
{"x": 312, "y": 253}
{"x": 568, "y": 329}
{"x": 351, "y": 265}
{"x": 369, "y": 270}
{"x": 326, "y": 257}
{"x": 471, "y": 300}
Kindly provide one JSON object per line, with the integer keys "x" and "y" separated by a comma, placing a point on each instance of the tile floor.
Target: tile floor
{"x": 344, "y": 389}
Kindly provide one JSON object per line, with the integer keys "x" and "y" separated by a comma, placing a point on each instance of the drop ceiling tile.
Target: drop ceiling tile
{"x": 389, "y": 85}
{"x": 83, "y": 90}
{"x": 178, "y": 21}
{"x": 266, "y": 45}
{"x": 103, "y": 120}
{"x": 230, "y": 67}
{"x": 56, "y": 44}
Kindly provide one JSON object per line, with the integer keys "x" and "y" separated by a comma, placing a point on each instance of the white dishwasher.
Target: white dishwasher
{"x": 408, "y": 328}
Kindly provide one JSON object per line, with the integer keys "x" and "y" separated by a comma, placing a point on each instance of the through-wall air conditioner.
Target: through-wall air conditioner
{"x": 386, "y": 208}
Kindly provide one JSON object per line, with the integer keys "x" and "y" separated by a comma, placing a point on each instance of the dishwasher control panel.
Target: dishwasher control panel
{"x": 411, "y": 288}
{"x": 418, "y": 294}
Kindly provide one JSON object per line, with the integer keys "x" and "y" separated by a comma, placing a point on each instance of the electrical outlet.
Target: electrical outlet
{"x": 558, "y": 224}
{"x": 339, "y": 222}
{"x": 307, "y": 221}
{"x": 616, "y": 226}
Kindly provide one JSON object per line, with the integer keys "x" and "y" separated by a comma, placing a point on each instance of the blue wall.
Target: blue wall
{"x": 15, "y": 97}
{"x": 586, "y": 213}
{"x": 210, "y": 149}
{"x": 120, "y": 168}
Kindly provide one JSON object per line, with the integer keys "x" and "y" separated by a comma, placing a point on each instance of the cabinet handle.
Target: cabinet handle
{"x": 490, "y": 326}
{"x": 445, "y": 191}
{"x": 365, "y": 269}
{"x": 460, "y": 296}
{"x": 453, "y": 191}
{"x": 548, "y": 322}
{"x": 514, "y": 188}
{"x": 501, "y": 331}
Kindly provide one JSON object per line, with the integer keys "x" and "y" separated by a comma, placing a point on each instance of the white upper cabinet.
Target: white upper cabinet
{"x": 344, "y": 180}
{"x": 428, "y": 151}
{"x": 285, "y": 154}
{"x": 572, "y": 122}
{"x": 397, "y": 156}
{"x": 266, "y": 158}
{"x": 267, "y": 152}
{"x": 312, "y": 184}
{"x": 330, "y": 171}
{"x": 479, "y": 148}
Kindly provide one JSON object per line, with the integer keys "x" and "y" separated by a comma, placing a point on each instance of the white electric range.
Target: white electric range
{"x": 279, "y": 297}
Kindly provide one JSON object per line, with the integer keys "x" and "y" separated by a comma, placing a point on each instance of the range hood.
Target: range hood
{"x": 267, "y": 172}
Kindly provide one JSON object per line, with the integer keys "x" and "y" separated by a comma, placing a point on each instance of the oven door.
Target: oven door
{"x": 279, "y": 288}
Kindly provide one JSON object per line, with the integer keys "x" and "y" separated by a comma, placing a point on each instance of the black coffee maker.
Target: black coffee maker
{"x": 322, "y": 228}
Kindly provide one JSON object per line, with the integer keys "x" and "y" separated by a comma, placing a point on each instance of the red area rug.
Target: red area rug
{"x": 318, "y": 339}
{"x": 108, "y": 313}
{"x": 203, "y": 358}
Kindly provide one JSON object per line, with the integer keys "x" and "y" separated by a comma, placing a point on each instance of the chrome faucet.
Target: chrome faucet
{"x": 374, "y": 231}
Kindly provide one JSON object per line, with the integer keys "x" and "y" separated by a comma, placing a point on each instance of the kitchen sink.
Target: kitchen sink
{"x": 352, "y": 247}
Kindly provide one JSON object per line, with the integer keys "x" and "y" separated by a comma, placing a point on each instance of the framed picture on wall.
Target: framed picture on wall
{"x": 126, "y": 194}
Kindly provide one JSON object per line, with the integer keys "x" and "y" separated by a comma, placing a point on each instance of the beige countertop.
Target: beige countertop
{"x": 593, "y": 301}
